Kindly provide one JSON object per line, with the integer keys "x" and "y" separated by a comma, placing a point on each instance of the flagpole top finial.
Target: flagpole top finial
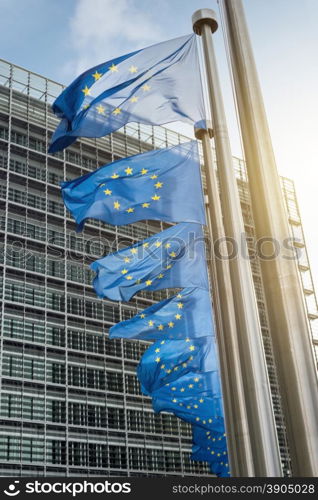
{"x": 204, "y": 16}
{"x": 199, "y": 132}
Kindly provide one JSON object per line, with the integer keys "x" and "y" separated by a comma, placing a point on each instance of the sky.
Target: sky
{"x": 60, "y": 38}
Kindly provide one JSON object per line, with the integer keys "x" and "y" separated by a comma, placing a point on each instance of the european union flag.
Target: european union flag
{"x": 194, "y": 397}
{"x": 155, "y": 85}
{"x": 210, "y": 446}
{"x": 218, "y": 459}
{"x": 164, "y": 184}
{"x": 168, "y": 360}
{"x": 203, "y": 438}
{"x": 174, "y": 258}
{"x": 159, "y": 322}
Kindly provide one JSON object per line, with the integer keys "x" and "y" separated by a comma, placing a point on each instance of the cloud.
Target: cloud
{"x": 102, "y": 29}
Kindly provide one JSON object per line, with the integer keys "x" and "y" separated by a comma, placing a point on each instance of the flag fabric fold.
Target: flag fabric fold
{"x": 163, "y": 320}
{"x": 163, "y": 184}
{"x": 155, "y": 85}
{"x": 168, "y": 360}
{"x": 174, "y": 258}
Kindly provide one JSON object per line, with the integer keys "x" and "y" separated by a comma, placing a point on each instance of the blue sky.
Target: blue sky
{"x": 62, "y": 37}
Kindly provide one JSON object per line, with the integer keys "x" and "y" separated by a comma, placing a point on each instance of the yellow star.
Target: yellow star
{"x": 133, "y": 251}
{"x": 117, "y": 205}
{"x": 174, "y": 401}
{"x": 108, "y": 192}
{"x": 182, "y": 389}
{"x": 146, "y": 87}
{"x": 167, "y": 245}
{"x": 162, "y": 342}
{"x": 178, "y": 316}
{"x": 157, "y": 360}
{"x": 190, "y": 386}
{"x": 158, "y": 244}
{"x": 196, "y": 379}
{"x": 201, "y": 400}
{"x": 197, "y": 419}
{"x": 191, "y": 348}
{"x": 154, "y": 176}
{"x": 168, "y": 371}
{"x": 145, "y": 205}
{"x": 187, "y": 340}
{"x": 172, "y": 254}
{"x": 169, "y": 266}
{"x": 179, "y": 296}
{"x": 129, "y": 277}
{"x": 86, "y": 106}
{"x": 100, "y": 109}
{"x": 115, "y": 176}
{"x": 150, "y": 322}
{"x": 180, "y": 305}
{"x": 134, "y": 99}
{"x": 184, "y": 365}
{"x": 124, "y": 271}
{"x": 171, "y": 324}
{"x": 133, "y": 69}
{"x": 160, "y": 327}
{"x": 129, "y": 170}
{"x": 173, "y": 388}
{"x": 195, "y": 406}
{"x": 148, "y": 282}
{"x": 142, "y": 316}
{"x": 176, "y": 368}
{"x": 130, "y": 210}
{"x": 126, "y": 259}
{"x": 97, "y": 75}
{"x": 155, "y": 197}
{"x": 162, "y": 367}
{"x": 113, "y": 68}
{"x": 157, "y": 350}
{"x": 160, "y": 276}
{"x": 86, "y": 91}
{"x": 117, "y": 111}
{"x": 145, "y": 245}
{"x": 158, "y": 185}
{"x": 144, "y": 171}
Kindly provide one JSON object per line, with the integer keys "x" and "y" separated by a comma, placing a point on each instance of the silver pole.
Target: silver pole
{"x": 255, "y": 379}
{"x": 288, "y": 321}
{"x": 238, "y": 440}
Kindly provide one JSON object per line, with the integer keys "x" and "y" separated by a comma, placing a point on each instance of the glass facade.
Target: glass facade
{"x": 70, "y": 399}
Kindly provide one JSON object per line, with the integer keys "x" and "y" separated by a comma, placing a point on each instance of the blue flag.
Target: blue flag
{"x": 155, "y": 85}
{"x": 168, "y": 360}
{"x": 194, "y": 397}
{"x": 164, "y": 184}
{"x": 174, "y": 258}
{"x": 211, "y": 446}
{"x": 158, "y": 322}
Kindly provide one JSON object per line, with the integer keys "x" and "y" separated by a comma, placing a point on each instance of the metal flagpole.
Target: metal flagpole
{"x": 238, "y": 440}
{"x": 288, "y": 321}
{"x": 263, "y": 436}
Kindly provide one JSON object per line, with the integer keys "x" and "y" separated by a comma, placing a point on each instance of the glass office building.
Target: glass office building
{"x": 70, "y": 399}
